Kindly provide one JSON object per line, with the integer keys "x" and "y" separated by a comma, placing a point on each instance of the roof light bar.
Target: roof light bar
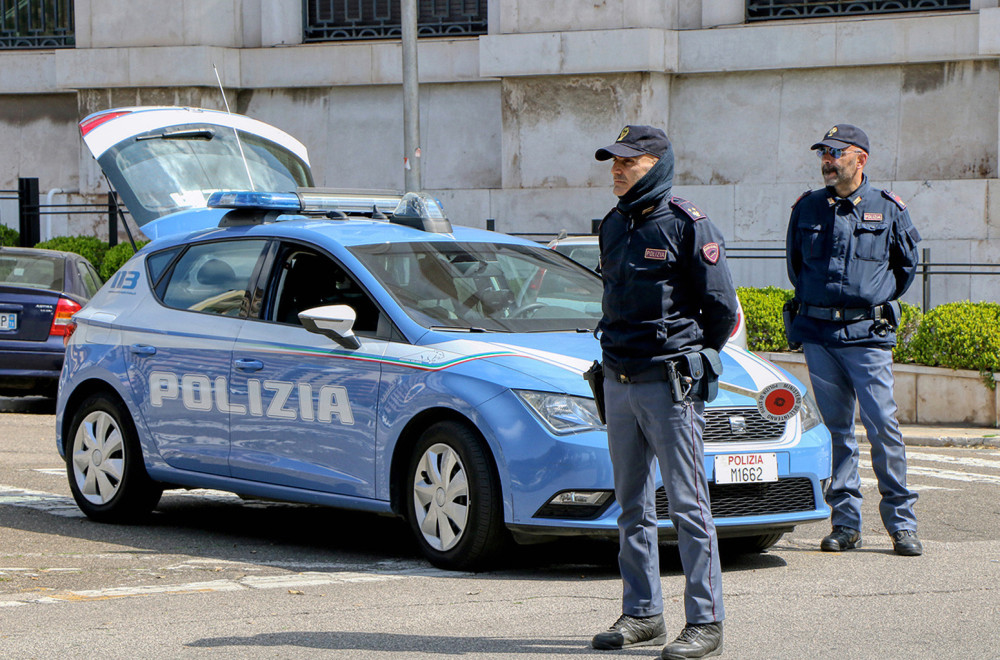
{"x": 415, "y": 210}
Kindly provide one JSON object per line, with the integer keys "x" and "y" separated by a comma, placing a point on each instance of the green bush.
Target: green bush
{"x": 87, "y": 246}
{"x": 9, "y": 237}
{"x": 906, "y": 331}
{"x": 765, "y": 325}
{"x": 116, "y": 258}
{"x": 962, "y": 335}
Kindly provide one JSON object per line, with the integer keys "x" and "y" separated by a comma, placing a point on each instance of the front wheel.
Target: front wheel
{"x": 453, "y": 499}
{"x": 748, "y": 545}
{"x": 104, "y": 463}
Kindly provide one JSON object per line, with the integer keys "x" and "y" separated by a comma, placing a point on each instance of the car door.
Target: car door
{"x": 307, "y": 405}
{"x": 179, "y": 363}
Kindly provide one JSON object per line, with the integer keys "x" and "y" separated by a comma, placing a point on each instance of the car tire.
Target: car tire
{"x": 748, "y": 545}
{"x": 453, "y": 501}
{"x": 104, "y": 463}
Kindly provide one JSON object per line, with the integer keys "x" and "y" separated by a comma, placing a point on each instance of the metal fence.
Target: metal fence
{"x": 926, "y": 271}
{"x": 765, "y": 10}
{"x": 36, "y": 24}
{"x": 31, "y": 212}
{"x": 348, "y": 20}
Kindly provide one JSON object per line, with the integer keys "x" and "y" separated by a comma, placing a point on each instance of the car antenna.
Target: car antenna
{"x": 239, "y": 143}
{"x": 121, "y": 214}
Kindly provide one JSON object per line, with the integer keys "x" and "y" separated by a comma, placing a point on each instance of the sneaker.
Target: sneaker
{"x": 697, "y": 640}
{"x": 906, "y": 543}
{"x": 840, "y": 539}
{"x": 632, "y": 631}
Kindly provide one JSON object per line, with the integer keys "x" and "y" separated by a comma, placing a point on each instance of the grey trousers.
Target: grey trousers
{"x": 838, "y": 375}
{"x": 645, "y": 424}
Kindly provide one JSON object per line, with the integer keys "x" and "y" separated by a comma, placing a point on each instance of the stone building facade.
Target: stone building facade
{"x": 510, "y": 119}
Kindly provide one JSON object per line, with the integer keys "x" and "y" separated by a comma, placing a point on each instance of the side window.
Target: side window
{"x": 91, "y": 280}
{"x": 213, "y": 277}
{"x": 305, "y": 279}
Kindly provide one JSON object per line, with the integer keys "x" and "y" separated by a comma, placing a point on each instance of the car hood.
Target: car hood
{"x": 556, "y": 361}
{"x": 167, "y": 159}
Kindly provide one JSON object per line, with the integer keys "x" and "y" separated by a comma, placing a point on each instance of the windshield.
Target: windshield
{"x": 486, "y": 286}
{"x": 168, "y": 170}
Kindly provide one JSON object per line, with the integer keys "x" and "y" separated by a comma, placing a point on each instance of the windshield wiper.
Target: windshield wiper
{"x": 458, "y": 328}
{"x": 189, "y": 134}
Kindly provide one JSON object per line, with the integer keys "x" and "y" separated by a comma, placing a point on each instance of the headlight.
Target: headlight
{"x": 562, "y": 413}
{"x": 809, "y": 412}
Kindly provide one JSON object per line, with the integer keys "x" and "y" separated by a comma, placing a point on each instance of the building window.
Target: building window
{"x": 349, "y": 20}
{"x": 36, "y": 24}
{"x": 764, "y": 10}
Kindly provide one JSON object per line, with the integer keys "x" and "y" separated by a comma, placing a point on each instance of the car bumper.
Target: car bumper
{"x": 30, "y": 367}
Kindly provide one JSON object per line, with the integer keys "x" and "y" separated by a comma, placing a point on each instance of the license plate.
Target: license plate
{"x": 746, "y": 468}
{"x": 8, "y": 321}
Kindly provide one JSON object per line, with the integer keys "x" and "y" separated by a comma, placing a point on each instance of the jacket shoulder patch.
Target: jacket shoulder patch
{"x": 888, "y": 194}
{"x": 689, "y": 209}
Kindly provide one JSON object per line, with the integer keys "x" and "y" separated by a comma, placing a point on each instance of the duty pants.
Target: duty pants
{"x": 838, "y": 375}
{"x": 645, "y": 424}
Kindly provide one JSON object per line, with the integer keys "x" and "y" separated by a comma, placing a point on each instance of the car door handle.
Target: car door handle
{"x": 248, "y": 365}
{"x": 142, "y": 350}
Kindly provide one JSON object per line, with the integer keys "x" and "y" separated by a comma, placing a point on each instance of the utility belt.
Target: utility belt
{"x": 883, "y": 312}
{"x": 887, "y": 316}
{"x": 692, "y": 374}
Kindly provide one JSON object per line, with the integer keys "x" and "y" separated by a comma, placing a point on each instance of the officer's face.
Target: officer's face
{"x": 843, "y": 172}
{"x": 626, "y": 171}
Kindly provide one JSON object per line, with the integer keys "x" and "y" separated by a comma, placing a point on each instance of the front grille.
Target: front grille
{"x": 720, "y": 424}
{"x": 732, "y": 500}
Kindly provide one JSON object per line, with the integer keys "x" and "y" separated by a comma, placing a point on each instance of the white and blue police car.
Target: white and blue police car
{"x": 360, "y": 351}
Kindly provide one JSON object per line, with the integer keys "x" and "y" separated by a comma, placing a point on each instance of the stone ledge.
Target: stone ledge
{"x": 925, "y": 395}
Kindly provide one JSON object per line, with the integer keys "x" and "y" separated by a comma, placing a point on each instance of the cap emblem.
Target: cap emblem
{"x": 621, "y": 136}
{"x": 832, "y": 131}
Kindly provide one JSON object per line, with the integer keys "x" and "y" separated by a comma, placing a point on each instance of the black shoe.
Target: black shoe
{"x": 840, "y": 539}
{"x": 697, "y": 640}
{"x": 632, "y": 631}
{"x": 906, "y": 543}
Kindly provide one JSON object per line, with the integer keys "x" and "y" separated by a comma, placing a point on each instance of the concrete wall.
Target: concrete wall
{"x": 510, "y": 120}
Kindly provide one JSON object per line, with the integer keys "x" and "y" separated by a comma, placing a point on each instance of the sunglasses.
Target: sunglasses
{"x": 834, "y": 152}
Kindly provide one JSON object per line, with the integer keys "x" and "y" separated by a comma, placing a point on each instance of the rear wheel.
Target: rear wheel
{"x": 104, "y": 463}
{"x": 453, "y": 499}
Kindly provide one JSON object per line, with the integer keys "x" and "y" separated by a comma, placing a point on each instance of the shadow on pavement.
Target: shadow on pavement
{"x": 32, "y": 405}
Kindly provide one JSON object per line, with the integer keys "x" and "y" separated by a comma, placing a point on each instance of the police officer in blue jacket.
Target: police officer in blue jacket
{"x": 851, "y": 253}
{"x": 669, "y": 306}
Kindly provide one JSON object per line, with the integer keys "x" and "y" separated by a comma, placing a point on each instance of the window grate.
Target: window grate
{"x": 764, "y": 10}
{"x": 351, "y": 20}
{"x": 36, "y": 24}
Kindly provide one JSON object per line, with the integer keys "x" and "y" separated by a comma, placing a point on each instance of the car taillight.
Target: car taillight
{"x": 62, "y": 322}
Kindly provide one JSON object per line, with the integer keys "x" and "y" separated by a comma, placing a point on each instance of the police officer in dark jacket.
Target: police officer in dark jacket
{"x": 851, "y": 253}
{"x": 669, "y": 306}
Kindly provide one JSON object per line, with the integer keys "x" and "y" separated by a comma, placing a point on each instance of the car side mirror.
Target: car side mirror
{"x": 333, "y": 321}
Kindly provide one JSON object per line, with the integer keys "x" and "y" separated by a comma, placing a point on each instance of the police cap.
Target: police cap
{"x": 843, "y": 135}
{"x": 634, "y": 141}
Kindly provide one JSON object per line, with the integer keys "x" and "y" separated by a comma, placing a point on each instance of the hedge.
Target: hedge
{"x": 9, "y": 237}
{"x": 90, "y": 247}
{"x": 963, "y": 335}
{"x": 116, "y": 258}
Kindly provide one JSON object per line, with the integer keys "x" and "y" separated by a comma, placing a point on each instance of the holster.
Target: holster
{"x": 595, "y": 377}
{"x": 704, "y": 369}
{"x": 788, "y": 313}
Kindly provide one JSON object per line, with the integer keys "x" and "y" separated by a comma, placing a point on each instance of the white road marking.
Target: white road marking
{"x": 57, "y": 505}
{"x": 969, "y": 461}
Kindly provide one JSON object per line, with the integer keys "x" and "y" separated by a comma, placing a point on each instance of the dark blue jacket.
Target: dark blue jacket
{"x": 667, "y": 286}
{"x": 853, "y": 252}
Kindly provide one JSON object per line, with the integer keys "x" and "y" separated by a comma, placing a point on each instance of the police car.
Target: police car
{"x": 358, "y": 350}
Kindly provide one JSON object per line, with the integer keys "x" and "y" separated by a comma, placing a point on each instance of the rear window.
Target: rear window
{"x": 35, "y": 271}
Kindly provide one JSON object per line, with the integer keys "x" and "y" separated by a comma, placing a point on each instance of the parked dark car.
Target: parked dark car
{"x": 40, "y": 290}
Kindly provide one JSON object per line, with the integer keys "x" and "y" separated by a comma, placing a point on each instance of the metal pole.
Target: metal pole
{"x": 926, "y": 277}
{"x": 112, "y": 220}
{"x": 411, "y": 97}
{"x": 28, "y": 211}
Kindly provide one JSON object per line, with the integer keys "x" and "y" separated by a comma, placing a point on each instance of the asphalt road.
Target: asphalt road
{"x": 213, "y": 576}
